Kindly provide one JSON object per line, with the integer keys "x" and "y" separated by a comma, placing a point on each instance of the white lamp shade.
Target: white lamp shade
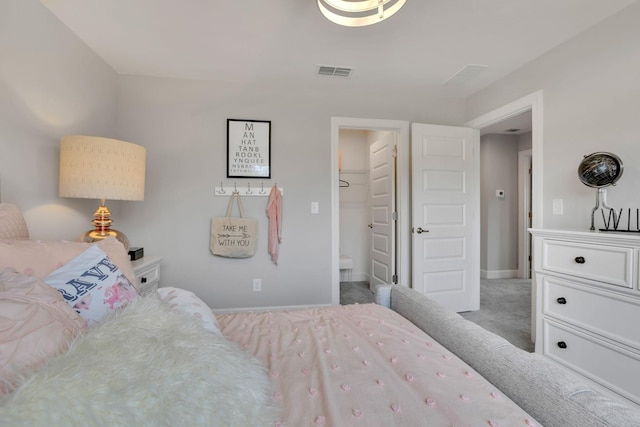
{"x": 101, "y": 168}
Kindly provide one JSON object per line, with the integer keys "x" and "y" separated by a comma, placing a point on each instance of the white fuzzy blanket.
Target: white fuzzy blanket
{"x": 147, "y": 366}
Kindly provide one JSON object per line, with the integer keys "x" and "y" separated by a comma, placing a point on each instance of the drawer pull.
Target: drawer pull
{"x": 561, "y": 300}
{"x": 580, "y": 260}
{"x": 562, "y": 344}
{"x": 143, "y": 280}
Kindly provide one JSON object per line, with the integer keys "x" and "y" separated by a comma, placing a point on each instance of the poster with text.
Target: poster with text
{"x": 248, "y": 148}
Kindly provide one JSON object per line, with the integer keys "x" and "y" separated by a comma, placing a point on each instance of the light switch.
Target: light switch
{"x": 315, "y": 208}
{"x": 558, "y": 208}
{"x": 500, "y": 194}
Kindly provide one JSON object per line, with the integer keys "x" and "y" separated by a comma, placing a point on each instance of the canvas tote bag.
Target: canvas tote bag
{"x": 234, "y": 237}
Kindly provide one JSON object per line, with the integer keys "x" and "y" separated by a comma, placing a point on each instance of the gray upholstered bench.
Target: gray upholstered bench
{"x": 550, "y": 393}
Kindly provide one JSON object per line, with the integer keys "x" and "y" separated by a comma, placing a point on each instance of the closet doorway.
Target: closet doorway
{"x": 353, "y": 205}
{"x": 368, "y": 226}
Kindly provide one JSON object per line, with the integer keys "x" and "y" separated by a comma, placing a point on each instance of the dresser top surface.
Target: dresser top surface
{"x": 619, "y": 237}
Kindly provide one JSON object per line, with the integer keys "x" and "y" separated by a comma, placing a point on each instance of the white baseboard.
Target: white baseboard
{"x": 360, "y": 277}
{"x": 350, "y": 276}
{"x": 499, "y": 274}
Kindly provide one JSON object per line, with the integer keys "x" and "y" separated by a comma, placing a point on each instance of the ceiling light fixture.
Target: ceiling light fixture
{"x": 358, "y": 13}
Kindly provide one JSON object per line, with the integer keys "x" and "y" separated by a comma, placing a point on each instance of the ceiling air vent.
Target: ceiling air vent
{"x": 468, "y": 72}
{"x": 328, "y": 70}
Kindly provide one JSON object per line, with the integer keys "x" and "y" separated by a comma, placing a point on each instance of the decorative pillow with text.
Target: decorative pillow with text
{"x": 93, "y": 285}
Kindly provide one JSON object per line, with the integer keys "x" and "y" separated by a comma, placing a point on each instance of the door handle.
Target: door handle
{"x": 420, "y": 230}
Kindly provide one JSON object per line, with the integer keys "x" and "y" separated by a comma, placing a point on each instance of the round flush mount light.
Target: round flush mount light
{"x": 359, "y": 13}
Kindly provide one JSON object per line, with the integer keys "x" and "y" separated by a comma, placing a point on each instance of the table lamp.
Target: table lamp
{"x": 92, "y": 167}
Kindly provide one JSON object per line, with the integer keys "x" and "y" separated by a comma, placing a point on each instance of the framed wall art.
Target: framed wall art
{"x": 248, "y": 148}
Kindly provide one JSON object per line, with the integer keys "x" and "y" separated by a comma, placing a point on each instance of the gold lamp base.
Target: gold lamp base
{"x": 102, "y": 221}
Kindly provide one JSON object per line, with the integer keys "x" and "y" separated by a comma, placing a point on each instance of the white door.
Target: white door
{"x": 445, "y": 214}
{"x": 381, "y": 173}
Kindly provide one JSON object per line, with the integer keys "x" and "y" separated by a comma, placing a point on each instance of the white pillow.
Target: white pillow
{"x": 93, "y": 285}
{"x": 189, "y": 303}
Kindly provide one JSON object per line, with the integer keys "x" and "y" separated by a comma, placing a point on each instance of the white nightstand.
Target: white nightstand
{"x": 147, "y": 270}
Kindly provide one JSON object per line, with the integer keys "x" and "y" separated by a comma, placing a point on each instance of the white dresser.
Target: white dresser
{"x": 587, "y": 305}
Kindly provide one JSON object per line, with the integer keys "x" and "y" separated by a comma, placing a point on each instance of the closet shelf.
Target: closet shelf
{"x": 355, "y": 171}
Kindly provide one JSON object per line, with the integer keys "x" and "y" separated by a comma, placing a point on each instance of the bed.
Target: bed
{"x": 166, "y": 359}
{"x": 366, "y": 365}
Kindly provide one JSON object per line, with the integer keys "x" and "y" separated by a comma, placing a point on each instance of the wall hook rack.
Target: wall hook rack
{"x": 246, "y": 190}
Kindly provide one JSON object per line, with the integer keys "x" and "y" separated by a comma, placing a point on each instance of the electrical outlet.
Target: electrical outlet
{"x": 257, "y": 285}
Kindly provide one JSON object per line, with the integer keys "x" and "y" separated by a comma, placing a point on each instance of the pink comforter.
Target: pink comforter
{"x": 365, "y": 365}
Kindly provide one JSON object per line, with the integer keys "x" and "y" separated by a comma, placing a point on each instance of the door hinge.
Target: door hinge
{"x": 394, "y": 279}
{"x": 395, "y": 150}
{"x": 394, "y": 215}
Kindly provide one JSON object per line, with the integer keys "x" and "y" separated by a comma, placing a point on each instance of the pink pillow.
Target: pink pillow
{"x": 93, "y": 285}
{"x": 35, "y": 324}
{"x": 39, "y": 258}
{"x": 12, "y": 223}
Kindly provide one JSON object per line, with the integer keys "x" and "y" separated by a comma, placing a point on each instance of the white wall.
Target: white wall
{"x": 591, "y": 102}
{"x": 525, "y": 141}
{"x": 183, "y": 126}
{"x": 51, "y": 85}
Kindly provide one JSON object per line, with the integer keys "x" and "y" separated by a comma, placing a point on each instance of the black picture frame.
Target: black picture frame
{"x": 248, "y": 148}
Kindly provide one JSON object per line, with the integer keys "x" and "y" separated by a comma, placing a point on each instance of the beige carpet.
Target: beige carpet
{"x": 355, "y": 293}
{"x": 505, "y": 309}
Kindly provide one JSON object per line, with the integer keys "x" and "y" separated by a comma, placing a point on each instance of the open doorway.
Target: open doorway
{"x": 400, "y": 131}
{"x": 368, "y": 205}
{"x": 531, "y": 104}
{"x": 505, "y": 198}
{"x": 355, "y": 205}
{"x": 368, "y": 232}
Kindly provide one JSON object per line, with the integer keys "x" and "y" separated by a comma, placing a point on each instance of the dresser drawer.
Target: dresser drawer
{"x": 150, "y": 274}
{"x": 605, "y": 313}
{"x": 610, "y": 366}
{"x": 612, "y": 265}
{"x": 147, "y": 270}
